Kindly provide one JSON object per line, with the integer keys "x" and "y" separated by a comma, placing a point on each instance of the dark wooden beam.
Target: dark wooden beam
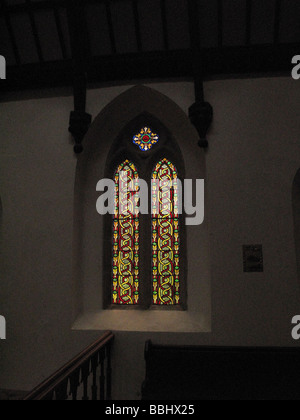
{"x": 248, "y": 21}
{"x": 164, "y": 24}
{"x": 21, "y": 8}
{"x": 137, "y": 25}
{"x": 150, "y": 65}
{"x": 220, "y": 23}
{"x": 277, "y": 22}
{"x": 79, "y": 119}
{"x": 78, "y": 36}
{"x": 201, "y": 112}
{"x": 194, "y": 26}
{"x": 228, "y": 62}
{"x": 59, "y": 29}
{"x": 35, "y": 76}
{"x": 110, "y": 27}
{"x": 35, "y": 31}
{"x": 4, "y": 10}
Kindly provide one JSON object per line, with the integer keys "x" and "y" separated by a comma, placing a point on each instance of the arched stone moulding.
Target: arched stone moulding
{"x": 89, "y": 238}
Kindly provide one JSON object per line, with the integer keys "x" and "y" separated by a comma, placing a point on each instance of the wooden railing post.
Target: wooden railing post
{"x": 61, "y": 391}
{"x": 102, "y": 375}
{"x": 94, "y": 372}
{"x": 85, "y": 371}
{"x": 108, "y": 373}
{"x": 74, "y": 384}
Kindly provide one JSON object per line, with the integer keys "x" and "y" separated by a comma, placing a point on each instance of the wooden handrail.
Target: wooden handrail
{"x": 66, "y": 381}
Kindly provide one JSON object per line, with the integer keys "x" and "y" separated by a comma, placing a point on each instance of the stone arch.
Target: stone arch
{"x": 89, "y": 241}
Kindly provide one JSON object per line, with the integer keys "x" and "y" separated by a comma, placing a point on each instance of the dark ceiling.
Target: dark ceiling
{"x": 138, "y": 39}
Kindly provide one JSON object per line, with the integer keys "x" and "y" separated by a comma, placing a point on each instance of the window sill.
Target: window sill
{"x": 144, "y": 321}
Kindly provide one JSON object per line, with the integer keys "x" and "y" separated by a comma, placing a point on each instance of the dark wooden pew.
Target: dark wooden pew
{"x": 221, "y": 373}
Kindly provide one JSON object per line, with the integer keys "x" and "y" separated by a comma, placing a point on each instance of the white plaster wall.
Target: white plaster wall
{"x": 253, "y": 157}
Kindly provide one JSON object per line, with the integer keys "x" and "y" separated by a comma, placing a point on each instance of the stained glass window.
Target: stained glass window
{"x": 165, "y": 235}
{"x": 145, "y": 139}
{"x": 126, "y": 236}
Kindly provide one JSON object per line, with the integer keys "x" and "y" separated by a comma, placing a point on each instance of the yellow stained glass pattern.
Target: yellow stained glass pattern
{"x": 126, "y": 236}
{"x": 165, "y": 235}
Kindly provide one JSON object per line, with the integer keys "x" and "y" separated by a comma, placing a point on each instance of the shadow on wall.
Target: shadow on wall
{"x": 296, "y": 212}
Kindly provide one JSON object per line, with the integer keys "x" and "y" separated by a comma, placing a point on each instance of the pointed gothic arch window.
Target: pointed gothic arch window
{"x": 147, "y": 255}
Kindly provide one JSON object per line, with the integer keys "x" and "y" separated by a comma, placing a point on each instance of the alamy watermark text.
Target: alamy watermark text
{"x": 2, "y": 328}
{"x": 168, "y": 197}
{"x": 296, "y": 69}
{"x": 2, "y": 67}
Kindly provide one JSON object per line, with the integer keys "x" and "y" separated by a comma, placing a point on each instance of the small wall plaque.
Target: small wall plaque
{"x": 253, "y": 259}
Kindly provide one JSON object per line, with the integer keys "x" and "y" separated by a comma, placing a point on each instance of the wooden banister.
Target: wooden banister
{"x": 65, "y": 383}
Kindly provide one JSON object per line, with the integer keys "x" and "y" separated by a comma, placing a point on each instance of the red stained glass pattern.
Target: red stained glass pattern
{"x": 126, "y": 236}
{"x": 165, "y": 235}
